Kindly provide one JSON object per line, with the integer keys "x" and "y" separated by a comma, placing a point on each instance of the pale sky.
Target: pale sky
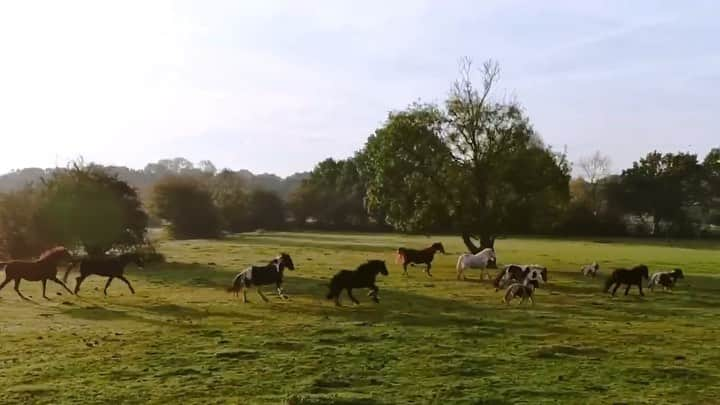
{"x": 276, "y": 86}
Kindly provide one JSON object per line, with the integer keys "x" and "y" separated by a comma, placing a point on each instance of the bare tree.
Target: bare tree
{"x": 595, "y": 168}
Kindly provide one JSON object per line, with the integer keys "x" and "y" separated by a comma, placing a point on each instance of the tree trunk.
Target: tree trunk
{"x": 486, "y": 241}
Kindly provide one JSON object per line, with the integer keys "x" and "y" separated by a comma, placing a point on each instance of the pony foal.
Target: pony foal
{"x": 590, "y": 270}
{"x": 667, "y": 279}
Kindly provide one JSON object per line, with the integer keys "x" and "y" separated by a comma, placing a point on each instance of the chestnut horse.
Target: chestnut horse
{"x": 41, "y": 269}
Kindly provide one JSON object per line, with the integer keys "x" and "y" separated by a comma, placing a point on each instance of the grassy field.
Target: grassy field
{"x": 183, "y": 339}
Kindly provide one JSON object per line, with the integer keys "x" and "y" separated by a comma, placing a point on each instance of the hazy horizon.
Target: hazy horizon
{"x": 277, "y": 87}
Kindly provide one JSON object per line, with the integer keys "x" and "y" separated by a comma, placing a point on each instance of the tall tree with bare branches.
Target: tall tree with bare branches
{"x": 595, "y": 168}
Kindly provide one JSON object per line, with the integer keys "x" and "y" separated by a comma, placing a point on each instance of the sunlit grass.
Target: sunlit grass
{"x": 183, "y": 338}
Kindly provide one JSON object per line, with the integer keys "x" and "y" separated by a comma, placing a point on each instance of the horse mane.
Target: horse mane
{"x": 53, "y": 252}
{"x": 369, "y": 265}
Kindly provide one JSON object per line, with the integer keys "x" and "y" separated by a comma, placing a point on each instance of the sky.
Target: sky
{"x": 276, "y": 86}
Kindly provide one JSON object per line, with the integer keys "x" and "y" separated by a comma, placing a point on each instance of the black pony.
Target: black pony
{"x": 111, "y": 267}
{"x": 630, "y": 277}
{"x": 363, "y": 277}
{"x": 425, "y": 256}
{"x": 272, "y": 273}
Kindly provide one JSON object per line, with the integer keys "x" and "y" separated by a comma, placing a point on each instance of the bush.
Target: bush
{"x": 187, "y": 205}
{"x": 80, "y": 207}
{"x": 265, "y": 210}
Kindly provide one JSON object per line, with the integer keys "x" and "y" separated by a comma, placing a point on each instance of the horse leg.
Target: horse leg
{"x": 127, "y": 282}
{"x": 427, "y": 270}
{"x": 405, "y": 264}
{"x": 349, "y": 291}
{"x": 640, "y": 288}
{"x": 107, "y": 285}
{"x": 44, "y": 285}
{"x": 280, "y": 291}
{"x": 17, "y": 289}
{"x": 374, "y": 290}
{"x": 627, "y": 289}
{"x": 57, "y": 280}
{"x": 5, "y": 282}
{"x": 617, "y": 285}
{"x": 79, "y": 281}
{"x": 244, "y": 293}
{"x": 257, "y": 288}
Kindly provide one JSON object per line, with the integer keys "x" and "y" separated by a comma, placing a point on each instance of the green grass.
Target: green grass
{"x": 183, "y": 339}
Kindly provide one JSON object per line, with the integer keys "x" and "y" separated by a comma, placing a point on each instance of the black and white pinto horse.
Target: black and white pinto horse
{"x": 524, "y": 274}
{"x": 666, "y": 279}
{"x": 590, "y": 270}
{"x": 629, "y": 277}
{"x": 111, "y": 267}
{"x": 271, "y": 273}
{"x": 425, "y": 256}
{"x": 362, "y": 277}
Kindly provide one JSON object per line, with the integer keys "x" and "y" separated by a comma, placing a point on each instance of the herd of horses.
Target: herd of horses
{"x": 519, "y": 281}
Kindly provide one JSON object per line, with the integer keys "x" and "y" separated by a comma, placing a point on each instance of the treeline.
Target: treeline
{"x": 144, "y": 179}
{"x": 100, "y": 208}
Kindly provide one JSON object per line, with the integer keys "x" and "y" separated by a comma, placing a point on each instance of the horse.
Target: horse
{"x": 482, "y": 260}
{"x": 524, "y": 274}
{"x": 590, "y": 270}
{"x": 362, "y": 277}
{"x": 41, "y": 269}
{"x": 109, "y": 266}
{"x": 521, "y": 290}
{"x": 630, "y": 277}
{"x": 271, "y": 273}
{"x": 667, "y": 279}
{"x": 424, "y": 256}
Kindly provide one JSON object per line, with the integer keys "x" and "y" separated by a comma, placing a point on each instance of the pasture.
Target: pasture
{"x": 183, "y": 339}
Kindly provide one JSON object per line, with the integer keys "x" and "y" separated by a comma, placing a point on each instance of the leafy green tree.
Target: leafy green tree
{"x": 265, "y": 210}
{"x": 333, "y": 195}
{"x": 187, "y": 205}
{"x": 663, "y": 186}
{"x": 478, "y": 164}
{"x": 90, "y": 207}
{"x": 230, "y": 196}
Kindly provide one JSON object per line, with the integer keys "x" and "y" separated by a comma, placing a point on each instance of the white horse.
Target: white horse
{"x": 479, "y": 260}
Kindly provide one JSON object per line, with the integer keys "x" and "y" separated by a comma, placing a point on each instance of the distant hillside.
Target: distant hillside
{"x": 145, "y": 178}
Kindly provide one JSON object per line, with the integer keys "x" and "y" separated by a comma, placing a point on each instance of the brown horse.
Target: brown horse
{"x": 42, "y": 269}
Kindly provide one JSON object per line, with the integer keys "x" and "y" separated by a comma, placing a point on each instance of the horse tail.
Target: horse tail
{"x": 400, "y": 256}
{"x": 334, "y": 288}
{"x": 459, "y": 262}
{"x": 237, "y": 282}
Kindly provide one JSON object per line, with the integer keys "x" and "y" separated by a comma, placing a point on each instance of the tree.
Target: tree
{"x": 20, "y": 235}
{"x": 595, "y": 168}
{"x": 265, "y": 210}
{"x": 663, "y": 187}
{"x": 187, "y": 204}
{"x": 333, "y": 195}
{"x": 405, "y": 164}
{"x": 231, "y": 199}
{"x": 477, "y": 164}
{"x": 711, "y": 185}
{"x": 90, "y": 207}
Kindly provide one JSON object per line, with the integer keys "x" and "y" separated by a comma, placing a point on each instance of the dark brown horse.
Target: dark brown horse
{"x": 111, "y": 267}
{"x": 42, "y": 269}
{"x": 425, "y": 256}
